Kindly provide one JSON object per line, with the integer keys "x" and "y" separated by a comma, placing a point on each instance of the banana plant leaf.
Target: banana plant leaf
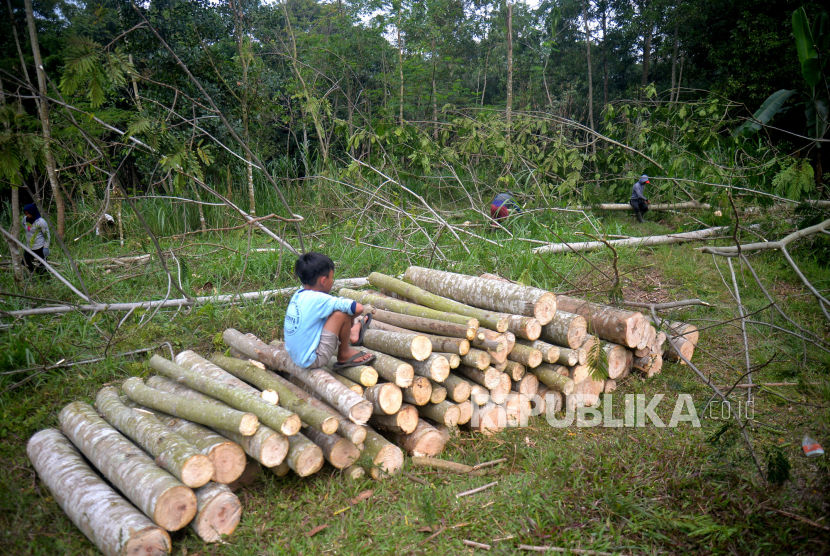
{"x": 806, "y": 46}
{"x": 817, "y": 113}
{"x": 770, "y": 108}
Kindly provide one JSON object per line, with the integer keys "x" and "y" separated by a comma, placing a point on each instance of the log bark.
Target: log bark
{"x": 565, "y": 329}
{"x": 453, "y": 359}
{"x": 685, "y": 330}
{"x": 476, "y": 358}
{"x": 338, "y": 451}
{"x": 362, "y": 374}
{"x": 304, "y": 456}
{"x": 446, "y": 413}
{"x": 649, "y": 365}
{"x": 347, "y": 402}
{"x": 549, "y": 400}
{"x": 424, "y": 441}
{"x": 429, "y": 326}
{"x": 435, "y": 367}
{"x": 402, "y": 422}
{"x": 683, "y": 345}
{"x": 219, "y": 512}
{"x": 172, "y": 452}
{"x": 114, "y": 525}
{"x": 386, "y": 398}
{"x": 393, "y": 369}
{"x": 489, "y": 378}
{"x": 500, "y": 393}
{"x": 456, "y": 346}
{"x": 516, "y": 371}
{"x": 354, "y": 472}
{"x": 527, "y": 356}
{"x": 493, "y": 295}
{"x": 402, "y": 307}
{"x": 465, "y": 412}
{"x": 397, "y": 344}
{"x": 688, "y": 205}
{"x": 458, "y": 389}
{"x": 496, "y": 321}
{"x": 524, "y": 327}
{"x": 550, "y": 352}
{"x": 386, "y": 458}
{"x": 224, "y": 418}
{"x": 351, "y": 385}
{"x": 346, "y": 428}
{"x": 266, "y": 445}
{"x": 154, "y": 491}
{"x": 550, "y": 376}
{"x": 570, "y": 357}
{"x": 609, "y": 323}
{"x": 281, "y": 470}
{"x": 289, "y": 398}
{"x": 419, "y": 393}
{"x": 439, "y": 392}
{"x": 228, "y": 457}
{"x": 631, "y": 242}
{"x": 617, "y": 357}
{"x": 202, "y": 375}
{"x": 527, "y": 386}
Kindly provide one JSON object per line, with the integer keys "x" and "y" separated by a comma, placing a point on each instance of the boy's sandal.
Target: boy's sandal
{"x": 364, "y": 324}
{"x": 350, "y": 362}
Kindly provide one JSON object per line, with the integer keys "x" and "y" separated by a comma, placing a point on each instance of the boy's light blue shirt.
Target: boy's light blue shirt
{"x": 304, "y": 320}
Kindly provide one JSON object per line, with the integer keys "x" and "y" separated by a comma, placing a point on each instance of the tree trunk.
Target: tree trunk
{"x": 304, "y": 456}
{"x": 527, "y": 356}
{"x": 228, "y": 457}
{"x": 616, "y": 356}
{"x": 386, "y": 398}
{"x": 400, "y": 64}
{"x": 419, "y": 392}
{"x": 43, "y": 105}
{"x": 386, "y": 458}
{"x": 350, "y": 384}
{"x": 172, "y": 452}
{"x": 203, "y": 376}
{"x": 403, "y": 421}
{"x": 219, "y": 512}
{"x": 439, "y": 392}
{"x": 604, "y": 60}
{"x": 495, "y": 321}
{"x": 489, "y": 378}
{"x": 347, "y": 402}
{"x": 475, "y": 358}
{"x": 434, "y": 96}
{"x": 445, "y": 412}
{"x": 435, "y": 367}
{"x": 590, "y": 73}
{"x": 609, "y": 323}
{"x": 392, "y": 305}
{"x": 430, "y": 326}
{"x": 17, "y": 259}
{"x": 674, "y": 60}
{"x": 565, "y": 329}
{"x": 396, "y": 344}
{"x": 550, "y": 376}
{"x": 392, "y": 369}
{"x": 647, "y": 32}
{"x": 424, "y": 440}
{"x": 266, "y": 445}
{"x": 288, "y": 398}
{"x": 153, "y": 490}
{"x": 338, "y": 451}
{"x": 516, "y": 371}
{"x": 114, "y": 525}
{"x": 550, "y": 352}
{"x": 509, "y": 66}
{"x": 354, "y": 432}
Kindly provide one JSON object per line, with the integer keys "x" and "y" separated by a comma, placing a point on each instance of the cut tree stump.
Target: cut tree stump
{"x": 266, "y": 445}
{"x": 458, "y": 389}
{"x": 435, "y": 367}
{"x": 446, "y": 413}
{"x": 439, "y": 392}
{"x": 402, "y": 422}
{"x": 405, "y": 308}
{"x": 397, "y": 344}
{"x": 550, "y": 376}
{"x": 424, "y": 440}
{"x": 392, "y": 369}
{"x": 114, "y": 525}
{"x": 609, "y": 323}
{"x": 304, "y": 456}
{"x": 419, "y": 393}
{"x": 550, "y": 352}
{"x": 157, "y": 493}
{"x": 338, "y": 451}
{"x": 476, "y": 358}
{"x": 527, "y": 356}
{"x": 386, "y": 458}
{"x": 493, "y": 295}
{"x": 219, "y": 512}
{"x": 172, "y": 452}
{"x": 565, "y": 329}
{"x": 386, "y": 398}
{"x": 489, "y": 377}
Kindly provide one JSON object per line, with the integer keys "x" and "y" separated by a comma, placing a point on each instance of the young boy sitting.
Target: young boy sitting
{"x": 316, "y": 322}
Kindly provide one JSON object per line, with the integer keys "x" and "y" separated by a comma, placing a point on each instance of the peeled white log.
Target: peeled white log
{"x": 609, "y": 323}
{"x": 424, "y": 440}
{"x": 158, "y": 494}
{"x": 565, "y": 329}
{"x": 338, "y": 451}
{"x": 218, "y": 514}
{"x": 114, "y": 525}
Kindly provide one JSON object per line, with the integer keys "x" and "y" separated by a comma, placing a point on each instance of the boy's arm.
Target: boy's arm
{"x": 327, "y": 304}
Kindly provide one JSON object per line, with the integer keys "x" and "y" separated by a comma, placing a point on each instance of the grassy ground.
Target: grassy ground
{"x": 620, "y": 490}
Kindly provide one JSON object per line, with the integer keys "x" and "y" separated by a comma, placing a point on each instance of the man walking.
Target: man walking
{"x": 638, "y": 201}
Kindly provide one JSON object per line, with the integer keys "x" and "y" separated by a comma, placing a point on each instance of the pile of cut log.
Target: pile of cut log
{"x": 451, "y": 350}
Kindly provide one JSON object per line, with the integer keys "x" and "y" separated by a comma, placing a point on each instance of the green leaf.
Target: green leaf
{"x": 770, "y": 108}
{"x": 817, "y": 114}
{"x": 806, "y": 46}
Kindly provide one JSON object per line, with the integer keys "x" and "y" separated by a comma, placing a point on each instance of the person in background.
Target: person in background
{"x": 638, "y": 201}
{"x": 37, "y": 239}
{"x": 503, "y": 205}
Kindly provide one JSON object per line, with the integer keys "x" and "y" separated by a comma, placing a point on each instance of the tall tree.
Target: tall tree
{"x": 509, "y": 64}
{"x": 590, "y": 75}
{"x": 648, "y": 30}
{"x": 243, "y": 49}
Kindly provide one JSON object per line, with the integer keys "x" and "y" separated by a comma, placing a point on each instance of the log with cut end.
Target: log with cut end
{"x": 458, "y": 389}
{"x": 550, "y": 352}
{"x": 346, "y": 428}
{"x": 517, "y": 409}
{"x": 218, "y": 514}
{"x": 565, "y": 329}
{"x": 489, "y": 419}
{"x": 446, "y": 413}
{"x": 351, "y": 385}
{"x": 401, "y": 307}
{"x": 489, "y": 377}
{"x": 402, "y": 422}
{"x": 649, "y": 335}
{"x": 172, "y": 452}
{"x": 490, "y": 344}
{"x": 500, "y": 393}
{"x": 114, "y": 525}
{"x": 578, "y": 373}
{"x": 514, "y": 370}
{"x": 429, "y": 326}
{"x": 440, "y": 344}
{"x": 479, "y": 395}
{"x": 609, "y": 323}
{"x": 527, "y": 356}
{"x": 424, "y": 440}
{"x": 659, "y": 342}
{"x": 610, "y": 386}
{"x": 682, "y": 329}
{"x": 681, "y": 344}
{"x": 154, "y": 491}
{"x": 398, "y": 344}
{"x": 385, "y": 458}
{"x": 386, "y": 398}
{"x": 338, "y": 451}
{"x": 392, "y": 369}
{"x": 496, "y": 321}
{"x": 362, "y": 374}
{"x": 590, "y": 343}
{"x": 206, "y": 377}
{"x": 570, "y": 357}
{"x": 266, "y": 445}
{"x": 550, "y": 376}
{"x": 650, "y": 365}
{"x": 435, "y": 367}
{"x": 476, "y": 358}
{"x": 616, "y": 356}
{"x": 549, "y": 400}
{"x": 304, "y": 456}
{"x": 225, "y": 418}
{"x": 453, "y": 359}
{"x": 347, "y": 402}
{"x": 524, "y": 327}
{"x": 586, "y": 393}
{"x": 465, "y": 412}
{"x": 419, "y": 393}
{"x": 493, "y": 295}
{"x": 439, "y": 392}
{"x": 354, "y": 472}
{"x": 281, "y": 470}
{"x": 527, "y": 386}
{"x": 289, "y": 398}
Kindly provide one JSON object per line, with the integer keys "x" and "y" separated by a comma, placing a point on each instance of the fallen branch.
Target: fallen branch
{"x": 564, "y": 550}
{"x": 689, "y": 205}
{"x": 633, "y": 242}
{"x": 668, "y": 305}
{"x": 476, "y": 490}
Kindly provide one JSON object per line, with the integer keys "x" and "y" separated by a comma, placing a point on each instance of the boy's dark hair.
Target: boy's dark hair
{"x": 311, "y": 266}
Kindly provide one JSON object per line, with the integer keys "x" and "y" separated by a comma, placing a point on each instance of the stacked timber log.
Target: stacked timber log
{"x": 450, "y": 350}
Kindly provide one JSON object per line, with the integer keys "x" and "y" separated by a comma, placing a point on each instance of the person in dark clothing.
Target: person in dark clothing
{"x": 37, "y": 239}
{"x": 638, "y": 201}
{"x": 502, "y": 205}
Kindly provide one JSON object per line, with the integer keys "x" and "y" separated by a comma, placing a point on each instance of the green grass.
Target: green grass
{"x": 625, "y": 490}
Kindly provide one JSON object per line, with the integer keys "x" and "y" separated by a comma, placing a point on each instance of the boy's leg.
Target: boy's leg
{"x": 346, "y": 330}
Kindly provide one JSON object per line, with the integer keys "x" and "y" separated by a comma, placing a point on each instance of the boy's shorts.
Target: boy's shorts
{"x": 325, "y": 349}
